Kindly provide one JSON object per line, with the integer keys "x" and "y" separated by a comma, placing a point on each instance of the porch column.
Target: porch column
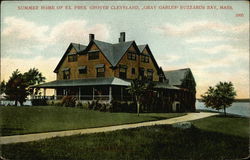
{"x": 44, "y": 92}
{"x": 93, "y": 93}
{"x": 110, "y": 93}
{"x": 79, "y": 93}
{"x": 55, "y": 94}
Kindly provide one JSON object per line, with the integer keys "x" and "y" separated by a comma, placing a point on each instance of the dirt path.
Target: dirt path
{"x": 40, "y": 136}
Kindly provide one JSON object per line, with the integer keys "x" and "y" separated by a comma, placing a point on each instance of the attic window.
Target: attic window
{"x": 93, "y": 55}
{"x": 145, "y": 58}
{"x": 82, "y": 70}
{"x": 131, "y": 55}
{"x": 72, "y": 57}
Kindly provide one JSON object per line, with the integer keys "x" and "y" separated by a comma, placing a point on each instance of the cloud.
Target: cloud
{"x": 217, "y": 49}
{"x": 195, "y": 27}
{"x": 20, "y": 36}
{"x": 203, "y": 39}
{"x": 45, "y": 65}
{"x": 77, "y": 31}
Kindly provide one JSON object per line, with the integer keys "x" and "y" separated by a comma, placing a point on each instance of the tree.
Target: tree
{"x": 137, "y": 89}
{"x": 219, "y": 97}
{"x": 2, "y": 87}
{"x": 17, "y": 86}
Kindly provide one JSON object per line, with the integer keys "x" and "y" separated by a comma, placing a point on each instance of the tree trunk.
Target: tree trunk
{"x": 138, "y": 105}
{"x": 15, "y": 102}
{"x": 225, "y": 111}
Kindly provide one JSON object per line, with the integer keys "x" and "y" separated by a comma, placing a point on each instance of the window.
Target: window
{"x": 93, "y": 55}
{"x": 123, "y": 71}
{"x": 150, "y": 74}
{"x": 145, "y": 58}
{"x": 82, "y": 70}
{"x": 72, "y": 58}
{"x": 141, "y": 72}
{"x": 131, "y": 56}
{"x": 100, "y": 70}
{"x": 66, "y": 73}
{"x": 133, "y": 70}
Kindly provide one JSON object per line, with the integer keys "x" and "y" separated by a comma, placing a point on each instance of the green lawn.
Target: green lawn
{"x": 22, "y": 120}
{"x": 155, "y": 142}
{"x": 231, "y": 125}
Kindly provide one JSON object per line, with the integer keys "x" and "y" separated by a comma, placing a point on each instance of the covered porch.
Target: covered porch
{"x": 104, "y": 89}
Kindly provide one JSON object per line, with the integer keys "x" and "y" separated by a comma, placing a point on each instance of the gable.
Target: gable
{"x": 72, "y": 48}
{"x": 181, "y": 77}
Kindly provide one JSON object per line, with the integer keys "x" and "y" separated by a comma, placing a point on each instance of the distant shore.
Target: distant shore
{"x": 236, "y": 100}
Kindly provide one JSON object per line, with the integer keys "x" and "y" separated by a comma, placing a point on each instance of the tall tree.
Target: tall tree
{"x": 17, "y": 86}
{"x": 2, "y": 87}
{"x": 220, "y": 97}
{"x": 137, "y": 89}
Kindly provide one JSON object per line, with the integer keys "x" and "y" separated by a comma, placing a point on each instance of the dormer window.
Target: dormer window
{"x": 93, "y": 55}
{"x": 72, "y": 57}
{"x": 131, "y": 55}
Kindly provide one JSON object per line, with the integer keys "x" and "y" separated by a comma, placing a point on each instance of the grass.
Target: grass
{"x": 232, "y": 125}
{"x": 157, "y": 142}
{"x": 23, "y": 120}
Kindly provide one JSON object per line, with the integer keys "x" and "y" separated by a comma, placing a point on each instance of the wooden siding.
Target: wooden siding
{"x": 130, "y": 64}
{"x": 82, "y": 60}
{"x": 149, "y": 65}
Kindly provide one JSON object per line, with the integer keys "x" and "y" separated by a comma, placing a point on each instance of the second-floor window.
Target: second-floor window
{"x": 66, "y": 73}
{"x": 100, "y": 70}
{"x": 72, "y": 58}
{"x": 93, "y": 55}
{"x": 131, "y": 55}
{"x": 82, "y": 70}
{"x": 123, "y": 71}
{"x": 141, "y": 72}
{"x": 145, "y": 58}
{"x": 133, "y": 70}
{"x": 150, "y": 74}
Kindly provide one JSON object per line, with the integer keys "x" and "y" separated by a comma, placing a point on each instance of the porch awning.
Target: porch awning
{"x": 83, "y": 82}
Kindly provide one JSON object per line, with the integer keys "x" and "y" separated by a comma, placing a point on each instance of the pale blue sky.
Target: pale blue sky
{"x": 213, "y": 43}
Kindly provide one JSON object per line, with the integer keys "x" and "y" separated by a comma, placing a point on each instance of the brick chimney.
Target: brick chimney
{"x": 91, "y": 37}
{"x": 122, "y": 37}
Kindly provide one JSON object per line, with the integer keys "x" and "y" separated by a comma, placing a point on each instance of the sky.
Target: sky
{"x": 211, "y": 40}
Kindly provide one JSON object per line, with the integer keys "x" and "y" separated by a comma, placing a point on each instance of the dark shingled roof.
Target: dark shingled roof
{"x": 175, "y": 77}
{"x": 165, "y": 85}
{"x": 84, "y": 82}
{"x": 141, "y": 47}
{"x": 113, "y": 52}
{"x": 79, "y": 47}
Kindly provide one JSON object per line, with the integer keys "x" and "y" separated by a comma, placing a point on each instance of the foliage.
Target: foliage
{"x": 139, "y": 89}
{"x": 17, "y": 86}
{"x": 39, "y": 102}
{"x": 2, "y": 87}
{"x": 69, "y": 101}
{"x": 219, "y": 97}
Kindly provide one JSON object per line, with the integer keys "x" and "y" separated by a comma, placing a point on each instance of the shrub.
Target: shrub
{"x": 39, "y": 102}
{"x": 69, "y": 101}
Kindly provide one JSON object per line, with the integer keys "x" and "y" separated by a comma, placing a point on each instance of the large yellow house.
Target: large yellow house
{"x": 101, "y": 70}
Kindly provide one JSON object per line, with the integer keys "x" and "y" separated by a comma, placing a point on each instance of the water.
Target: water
{"x": 239, "y": 108}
